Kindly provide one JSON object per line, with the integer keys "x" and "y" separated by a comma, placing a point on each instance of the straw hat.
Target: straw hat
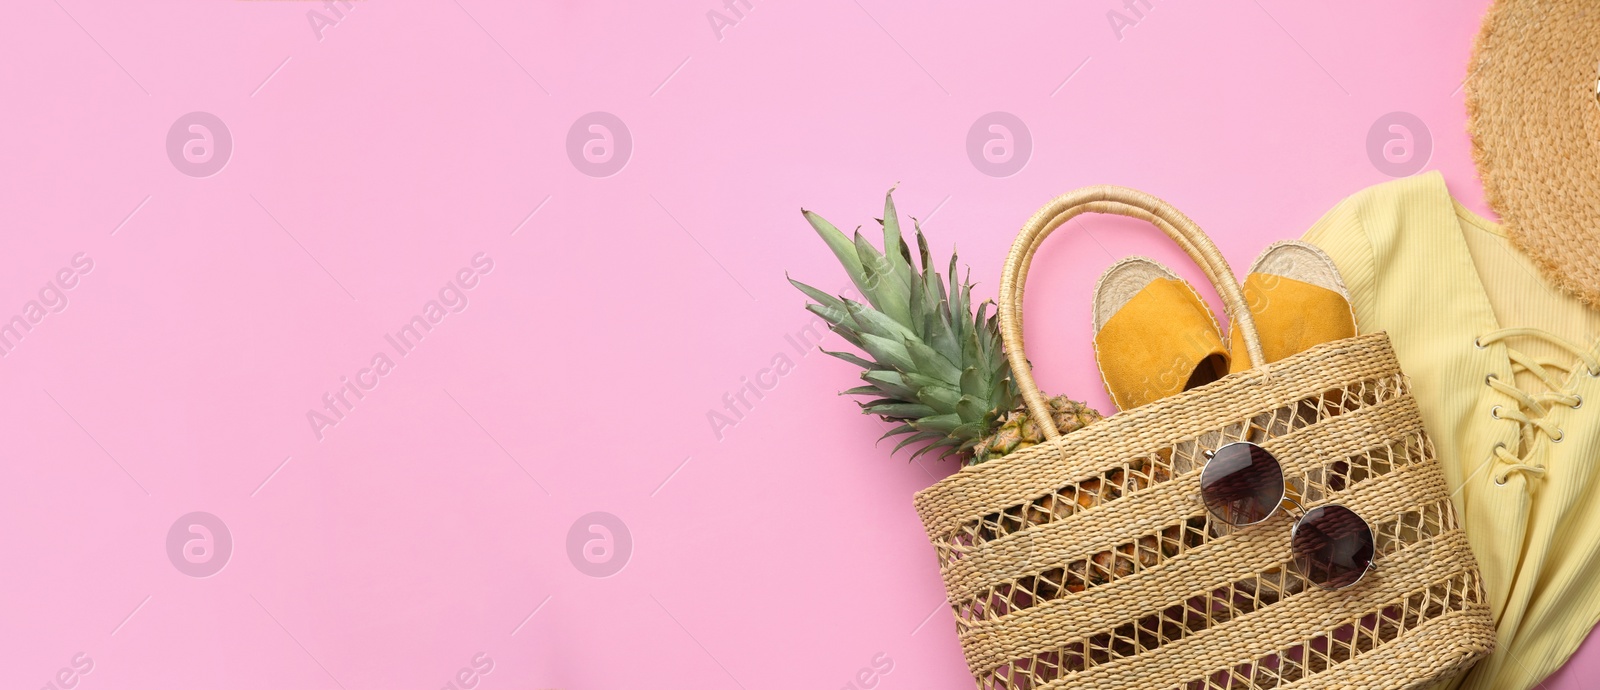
{"x": 1533, "y": 109}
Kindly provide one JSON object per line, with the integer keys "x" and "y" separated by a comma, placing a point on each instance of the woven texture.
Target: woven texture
{"x": 1089, "y": 561}
{"x": 1534, "y": 115}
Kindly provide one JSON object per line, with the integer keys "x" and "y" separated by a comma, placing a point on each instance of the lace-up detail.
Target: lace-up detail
{"x": 1533, "y": 409}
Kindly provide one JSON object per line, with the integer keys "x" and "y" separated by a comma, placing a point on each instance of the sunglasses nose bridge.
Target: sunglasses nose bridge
{"x": 1299, "y": 510}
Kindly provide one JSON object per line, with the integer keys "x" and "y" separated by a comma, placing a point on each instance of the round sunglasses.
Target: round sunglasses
{"x": 1243, "y": 484}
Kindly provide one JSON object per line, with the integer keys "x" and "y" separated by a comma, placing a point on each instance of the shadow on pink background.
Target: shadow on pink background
{"x": 184, "y": 507}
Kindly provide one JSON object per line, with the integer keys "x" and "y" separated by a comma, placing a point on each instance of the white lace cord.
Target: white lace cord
{"x": 1532, "y": 410}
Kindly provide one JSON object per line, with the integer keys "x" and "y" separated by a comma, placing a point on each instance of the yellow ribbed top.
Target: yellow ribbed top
{"x": 1502, "y": 363}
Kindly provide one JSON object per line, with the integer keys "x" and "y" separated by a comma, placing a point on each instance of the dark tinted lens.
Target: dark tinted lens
{"x": 1332, "y": 546}
{"x": 1242, "y": 483}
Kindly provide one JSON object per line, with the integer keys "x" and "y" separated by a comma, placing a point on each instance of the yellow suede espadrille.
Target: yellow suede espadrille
{"x": 1297, "y": 299}
{"x": 1153, "y": 335}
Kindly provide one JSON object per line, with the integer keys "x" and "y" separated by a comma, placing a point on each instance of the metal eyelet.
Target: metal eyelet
{"x": 1478, "y": 343}
{"x": 1579, "y": 404}
{"x": 1561, "y": 436}
{"x": 1500, "y": 480}
{"x": 1490, "y": 377}
{"x": 1494, "y": 413}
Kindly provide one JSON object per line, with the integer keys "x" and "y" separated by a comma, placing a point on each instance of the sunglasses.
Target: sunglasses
{"x": 1243, "y": 484}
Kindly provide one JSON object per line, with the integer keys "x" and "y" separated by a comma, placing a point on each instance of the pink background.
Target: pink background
{"x": 429, "y": 527}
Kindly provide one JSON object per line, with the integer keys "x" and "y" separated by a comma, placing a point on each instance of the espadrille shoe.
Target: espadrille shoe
{"x": 1297, "y": 299}
{"x": 1153, "y": 335}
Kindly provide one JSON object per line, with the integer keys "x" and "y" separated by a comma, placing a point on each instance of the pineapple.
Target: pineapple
{"x": 931, "y": 366}
{"x": 1018, "y": 430}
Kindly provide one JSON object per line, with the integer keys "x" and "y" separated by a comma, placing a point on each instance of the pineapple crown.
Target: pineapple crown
{"x": 931, "y": 365}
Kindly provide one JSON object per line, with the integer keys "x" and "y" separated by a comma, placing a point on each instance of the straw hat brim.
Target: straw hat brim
{"x": 1534, "y": 116}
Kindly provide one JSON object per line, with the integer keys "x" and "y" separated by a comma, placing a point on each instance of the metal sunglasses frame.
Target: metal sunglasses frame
{"x": 1299, "y": 514}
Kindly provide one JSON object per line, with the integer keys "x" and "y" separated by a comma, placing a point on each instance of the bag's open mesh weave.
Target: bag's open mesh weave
{"x": 1090, "y": 561}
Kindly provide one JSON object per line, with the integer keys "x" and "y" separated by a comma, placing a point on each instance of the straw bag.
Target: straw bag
{"x": 1089, "y": 561}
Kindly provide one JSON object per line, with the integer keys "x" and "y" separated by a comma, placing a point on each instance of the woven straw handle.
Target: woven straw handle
{"x": 1123, "y": 202}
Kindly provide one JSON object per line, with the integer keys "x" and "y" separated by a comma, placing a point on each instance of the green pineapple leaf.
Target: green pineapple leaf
{"x": 932, "y": 359}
